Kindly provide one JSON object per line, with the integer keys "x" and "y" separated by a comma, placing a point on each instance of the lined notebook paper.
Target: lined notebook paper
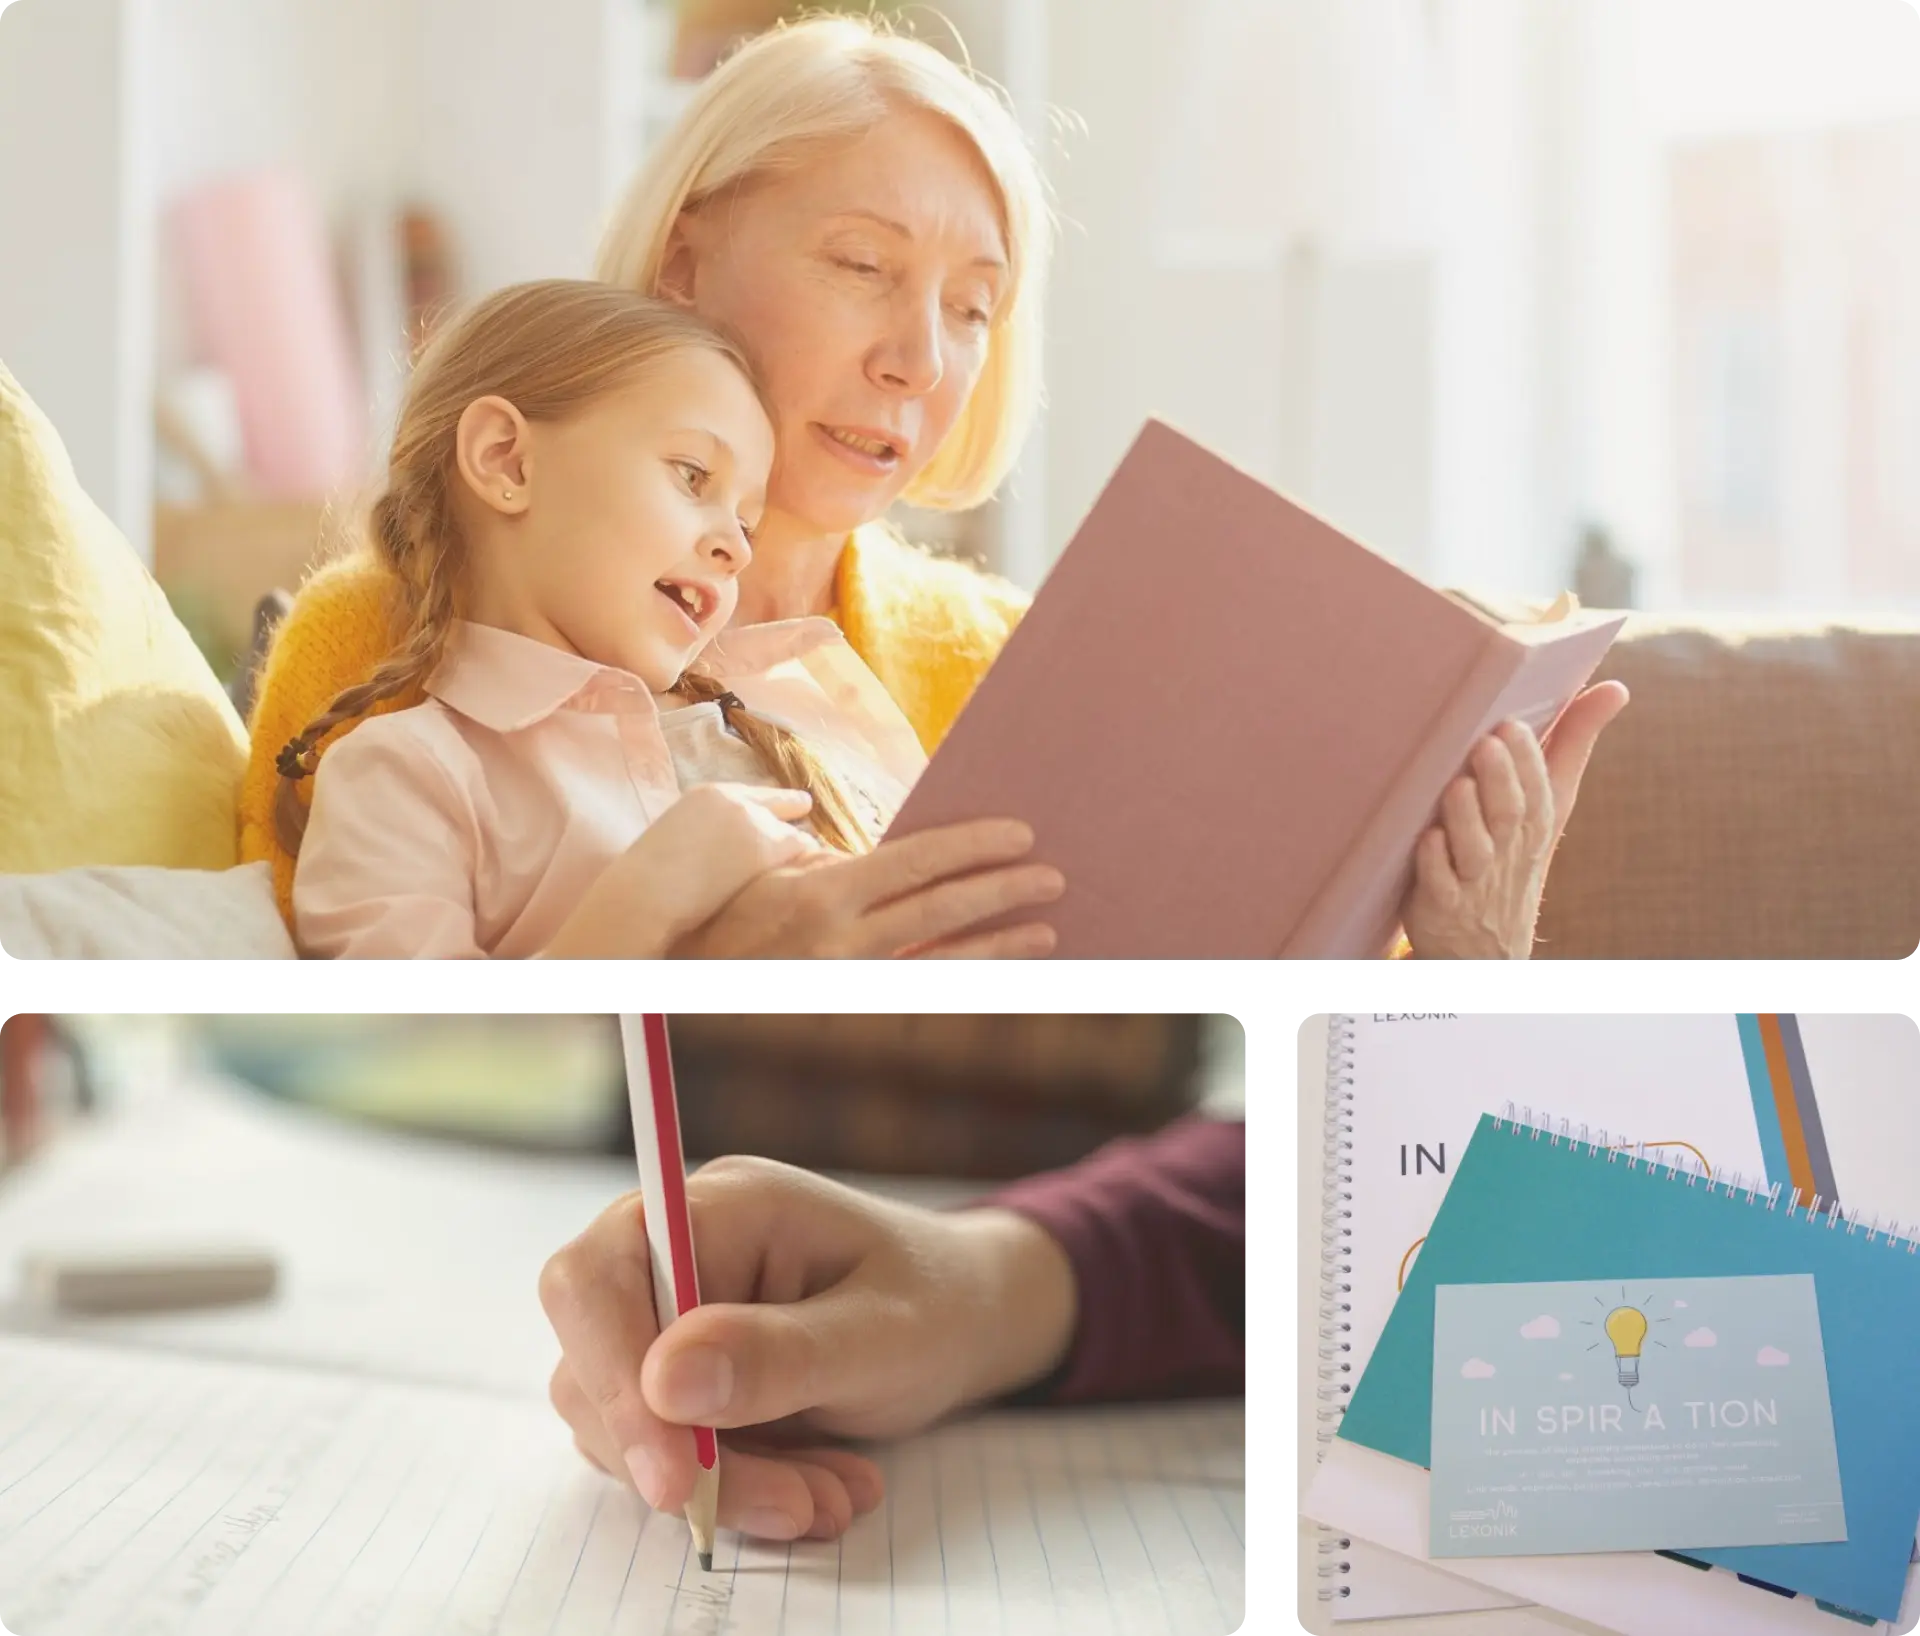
{"x": 166, "y": 1496}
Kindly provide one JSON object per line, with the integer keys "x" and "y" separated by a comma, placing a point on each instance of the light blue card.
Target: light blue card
{"x": 1660, "y": 1414}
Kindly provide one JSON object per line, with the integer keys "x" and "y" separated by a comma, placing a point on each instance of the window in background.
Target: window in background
{"x": 1796, "y": 305}
{"x": 1785, "y": 139}
{"x": 1729, "y": 413}
{"x": 1617, "y": 292}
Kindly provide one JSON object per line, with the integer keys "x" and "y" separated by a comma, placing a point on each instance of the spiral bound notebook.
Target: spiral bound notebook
{"x": 1539, "y": 1199}
{"x": 1403, "y": 1094}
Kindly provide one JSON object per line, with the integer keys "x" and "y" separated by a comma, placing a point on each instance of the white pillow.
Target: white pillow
{"x": 141, "y": 913}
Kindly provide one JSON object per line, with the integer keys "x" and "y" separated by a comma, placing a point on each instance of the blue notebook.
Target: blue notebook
{"x": 1533, "y": 1205}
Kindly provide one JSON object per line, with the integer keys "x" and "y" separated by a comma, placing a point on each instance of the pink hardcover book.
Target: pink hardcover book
{"x": 1228, "y": 722}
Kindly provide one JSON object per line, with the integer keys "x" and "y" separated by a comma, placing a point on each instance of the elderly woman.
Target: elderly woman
{"x": 869, "y": 221}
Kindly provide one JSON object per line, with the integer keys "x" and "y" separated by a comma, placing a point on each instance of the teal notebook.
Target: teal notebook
{"x": 1530, "y": 1205}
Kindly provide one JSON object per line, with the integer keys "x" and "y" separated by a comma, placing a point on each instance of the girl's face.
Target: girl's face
{"x": 864, "y": 283}
{"x": 630, "y": 520}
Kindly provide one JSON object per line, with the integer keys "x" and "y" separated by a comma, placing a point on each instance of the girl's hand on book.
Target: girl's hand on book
{"x": 707, "y": 846}
{"x": 1479, "y": 872}
{"x": 923, "y": 894}
{"x": 825, "y": 1311}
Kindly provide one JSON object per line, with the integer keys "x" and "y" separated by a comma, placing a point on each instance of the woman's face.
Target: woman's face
{"x": 864, "y": 283}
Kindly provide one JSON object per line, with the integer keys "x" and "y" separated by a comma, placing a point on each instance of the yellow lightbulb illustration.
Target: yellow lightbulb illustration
{"x": 1627, "y": 1329}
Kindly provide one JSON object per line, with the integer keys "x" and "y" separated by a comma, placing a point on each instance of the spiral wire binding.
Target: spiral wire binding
{"x": 1523, "y": 1122}
{"x": 1336, "y": 1289}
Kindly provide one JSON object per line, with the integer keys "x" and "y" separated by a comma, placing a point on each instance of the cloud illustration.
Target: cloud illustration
{"x": 1701, "y": 1337}
{"x": 1476, "y": 1369}
{"x": 1565, "y": 1376}
{"x": 1679, "y": 1303}
{"x": 1546, "y": 1327}
{"x": 1771, "y": 1357}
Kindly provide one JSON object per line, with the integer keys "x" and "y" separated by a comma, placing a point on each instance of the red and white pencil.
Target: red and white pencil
{"x": 663, "y": 1193}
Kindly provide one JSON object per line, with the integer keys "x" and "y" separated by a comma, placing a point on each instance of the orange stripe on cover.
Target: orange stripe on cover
{"x": 1792, "y": 1133}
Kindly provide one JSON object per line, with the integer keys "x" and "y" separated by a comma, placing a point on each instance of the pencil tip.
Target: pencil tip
{"x": 706, "y": 1562}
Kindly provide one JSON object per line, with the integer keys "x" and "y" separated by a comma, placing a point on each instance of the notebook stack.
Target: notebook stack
{"x": 1646, "y": 1361}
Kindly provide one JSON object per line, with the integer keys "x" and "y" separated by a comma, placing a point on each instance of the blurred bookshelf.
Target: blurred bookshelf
{"x": 372, "y": 110}
{"x": 217, "y": 560}
{"x": 966, "y": 1097}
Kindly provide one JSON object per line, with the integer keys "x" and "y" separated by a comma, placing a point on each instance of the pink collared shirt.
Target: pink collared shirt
{"x": 474, "y": 823}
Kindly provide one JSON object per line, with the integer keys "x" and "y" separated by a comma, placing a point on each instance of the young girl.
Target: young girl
{"x": 572, "y": 492}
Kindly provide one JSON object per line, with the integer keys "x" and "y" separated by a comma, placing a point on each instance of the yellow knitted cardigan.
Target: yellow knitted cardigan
{"x": 928, "y": 627}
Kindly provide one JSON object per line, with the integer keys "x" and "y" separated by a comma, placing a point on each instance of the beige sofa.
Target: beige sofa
{"x": 1759, "y": 799}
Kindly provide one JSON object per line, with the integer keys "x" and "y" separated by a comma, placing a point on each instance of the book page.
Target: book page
{"x": 1866, "y": 1072}
{"x": 162, "y": 1496}
{"x": 1558, "y": 658}
{"x": 1518, "y": 615}
{"x": 1421, "y": 1083}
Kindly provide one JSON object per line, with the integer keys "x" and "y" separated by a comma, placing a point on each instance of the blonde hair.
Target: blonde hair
{"x": 826, "y": 80}
{"x": 550, "y": 349}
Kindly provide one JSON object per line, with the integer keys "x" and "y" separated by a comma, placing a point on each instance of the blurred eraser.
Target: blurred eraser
{"x": 145, "y": 1280}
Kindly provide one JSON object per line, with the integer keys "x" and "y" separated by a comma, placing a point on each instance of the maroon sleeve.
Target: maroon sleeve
{"x": 1156, "y": 1229}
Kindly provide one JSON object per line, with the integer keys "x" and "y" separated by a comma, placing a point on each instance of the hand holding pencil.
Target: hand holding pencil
{"x": 827, "y": 1310}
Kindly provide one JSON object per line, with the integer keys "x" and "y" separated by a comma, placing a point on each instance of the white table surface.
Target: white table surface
{"x": 402, "y": 1255}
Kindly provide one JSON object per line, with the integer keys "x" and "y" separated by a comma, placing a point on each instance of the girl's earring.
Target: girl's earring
{"x": 506, "y": 494}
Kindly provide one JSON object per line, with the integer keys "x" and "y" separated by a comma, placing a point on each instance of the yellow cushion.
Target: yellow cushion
{"x": 117, "y": 744}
